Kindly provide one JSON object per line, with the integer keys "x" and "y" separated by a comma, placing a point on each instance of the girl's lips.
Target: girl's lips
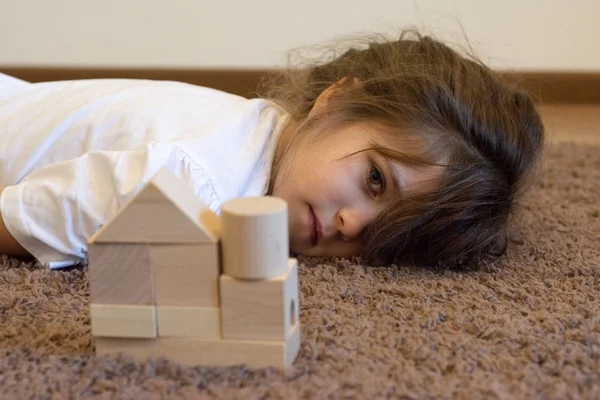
{"x": 314, "y": 226}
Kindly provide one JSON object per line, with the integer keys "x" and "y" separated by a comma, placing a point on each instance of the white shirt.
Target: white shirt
{"x": 72, "y": 153}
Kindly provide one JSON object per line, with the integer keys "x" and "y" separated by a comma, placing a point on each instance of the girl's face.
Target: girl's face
{"x": 333, "y": 195}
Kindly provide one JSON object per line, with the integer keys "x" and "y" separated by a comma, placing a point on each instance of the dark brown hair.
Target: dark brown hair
{"x": 484, "y": 132}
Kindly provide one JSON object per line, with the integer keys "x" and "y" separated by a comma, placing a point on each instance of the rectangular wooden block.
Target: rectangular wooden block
{"x": 186, "y": 275}
{"x": 259, "y": 309}
{"x": 123, "y": 321}
{"x": 204, "y": 322}
{"x": 121, "y": 274}
{"x": 193, "y": 351}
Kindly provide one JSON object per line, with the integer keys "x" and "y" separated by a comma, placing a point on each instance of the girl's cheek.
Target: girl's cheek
{"x": 345, "y": 249}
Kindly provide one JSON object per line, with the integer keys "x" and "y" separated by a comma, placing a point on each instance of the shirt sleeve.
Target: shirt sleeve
{"x": 55, "y": 210}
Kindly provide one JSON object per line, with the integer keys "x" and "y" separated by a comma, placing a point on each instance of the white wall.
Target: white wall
{"x": 520, "y": 34}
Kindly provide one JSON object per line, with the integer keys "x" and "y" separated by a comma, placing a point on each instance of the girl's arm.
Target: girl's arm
{"x": 8, "y": 244}
{"x": 54, "y": 210}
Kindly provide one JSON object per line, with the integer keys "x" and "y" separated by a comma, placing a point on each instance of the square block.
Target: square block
{"x": 125, "y": 321}
{"x": 193, "y": 351}
{"x": 121, "y": 274}
{"x": 179, "y": 321}
{"x": 186, "y": 275}
{"x": 262, "y": 309}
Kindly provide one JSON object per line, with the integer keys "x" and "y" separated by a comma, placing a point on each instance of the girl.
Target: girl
{"x": 400, "y": 151}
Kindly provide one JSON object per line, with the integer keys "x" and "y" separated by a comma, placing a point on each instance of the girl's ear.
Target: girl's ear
{"x": 324, "y": 98}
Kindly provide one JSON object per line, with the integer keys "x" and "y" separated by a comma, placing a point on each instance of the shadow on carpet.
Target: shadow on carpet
{"x": 525, "y": 326}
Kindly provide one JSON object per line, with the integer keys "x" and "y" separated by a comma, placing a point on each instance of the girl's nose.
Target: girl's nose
{"x": 352, "y": 222}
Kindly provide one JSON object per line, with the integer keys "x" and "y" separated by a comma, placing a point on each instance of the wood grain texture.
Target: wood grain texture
{"x": 121, "y": 274}
{"x": 163, "y": 211}
{"x": 254, "y": 234}
{"x": 109, "y": 320}
{"x": 192, "y": 351}
{"x": 180, "y": 321}
{"x": 186, "y": 274}
{"x": 260, "y": 309}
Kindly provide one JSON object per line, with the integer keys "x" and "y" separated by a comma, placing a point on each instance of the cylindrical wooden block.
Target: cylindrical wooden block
{"x": 254, "y": 237}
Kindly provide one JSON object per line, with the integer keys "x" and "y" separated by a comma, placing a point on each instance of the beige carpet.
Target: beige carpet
{"x": 527, "y": 326}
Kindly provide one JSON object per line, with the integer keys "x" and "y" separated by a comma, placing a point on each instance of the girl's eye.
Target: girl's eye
{"x": 376, "y": 181}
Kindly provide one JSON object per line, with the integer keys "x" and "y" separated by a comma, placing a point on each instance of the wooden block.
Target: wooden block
{"x": 204, "y": 322}
{"x": 260, "y": 309}
{"x": 121, "y": 274}
{"x": 186, "y": 275}
{"x": 123, "y": 321}
{"x": 164, "y": 210}
{"x": 192, "y": 351}
{"x": 255, "y": 238}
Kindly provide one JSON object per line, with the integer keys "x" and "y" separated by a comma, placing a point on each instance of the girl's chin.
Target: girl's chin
{"x": 300, "y": 251}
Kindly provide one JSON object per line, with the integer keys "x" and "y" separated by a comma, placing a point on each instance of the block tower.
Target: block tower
{"x": 169, "y": 278}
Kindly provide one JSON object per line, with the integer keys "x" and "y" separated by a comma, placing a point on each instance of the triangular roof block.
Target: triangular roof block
{"x": 165, "y": 210}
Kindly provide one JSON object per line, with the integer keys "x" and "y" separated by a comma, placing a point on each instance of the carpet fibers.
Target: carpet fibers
{"x": 524, "y": 326}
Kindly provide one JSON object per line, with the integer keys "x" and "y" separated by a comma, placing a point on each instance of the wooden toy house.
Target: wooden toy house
{"x": 169, "y": 278}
